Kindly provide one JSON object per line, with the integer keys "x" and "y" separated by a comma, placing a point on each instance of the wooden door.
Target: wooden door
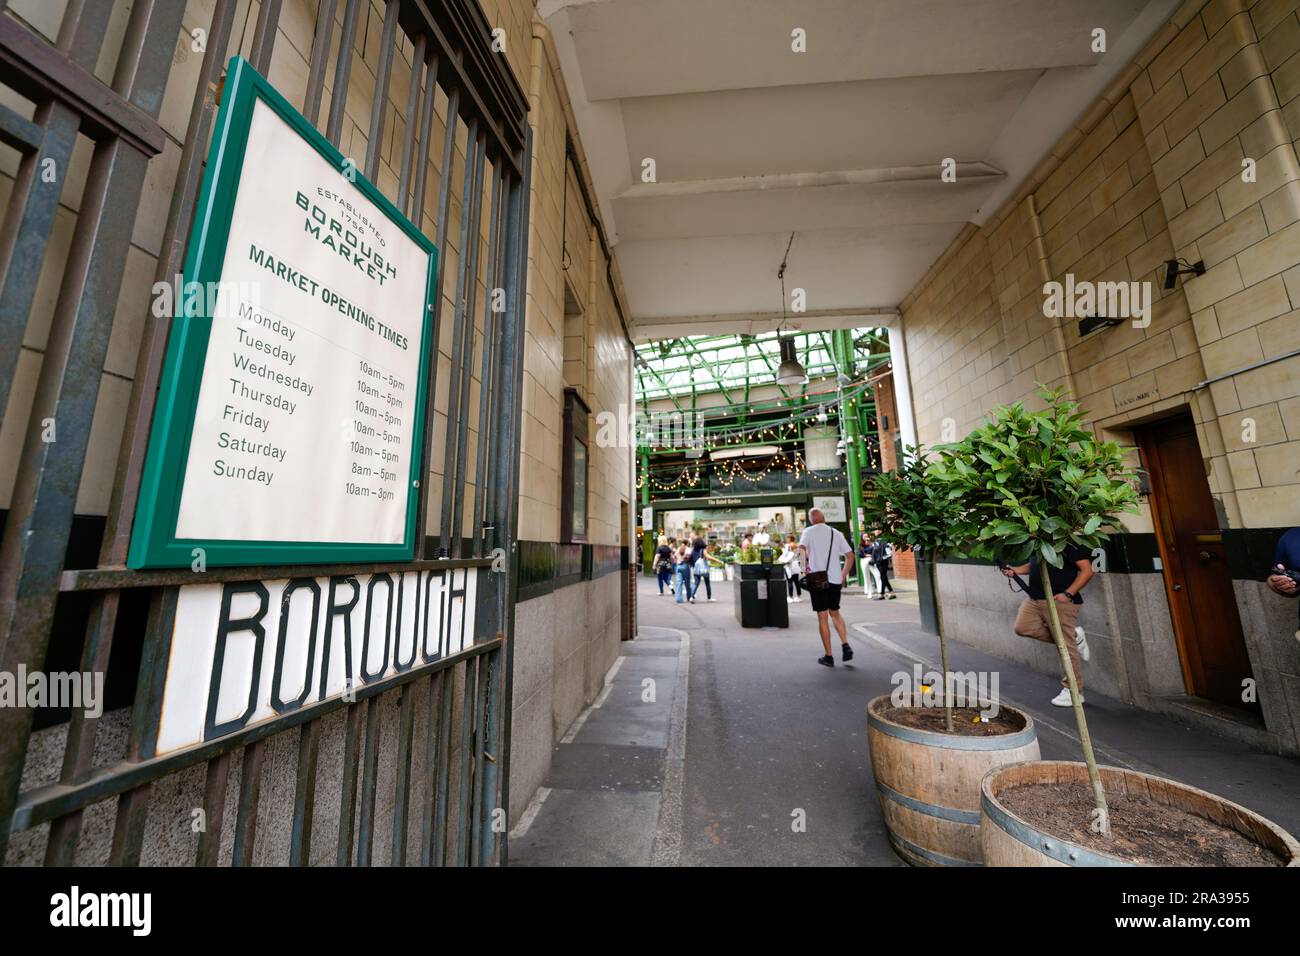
{"x": 1197, "y": 581}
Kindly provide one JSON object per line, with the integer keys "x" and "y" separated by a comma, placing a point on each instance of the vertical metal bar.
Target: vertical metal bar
{"x": 492, "y": 765}
{"x": 497, "y": 452}
{"x": 214, "y": 810}
{"x": 268, "y": 19}
{"x": 467, "y": 719}
{"x": 369, "y": 783}
{"x": 133, "y": 806}
{"x": 379, "y": 105}
{"x": 26, "y": 232}
{"x": 320, "y": 53}
{"x": 446, "y": 539}
{"x": 250, "y": 788}
{"x": 32, "y": 203}
{"x": 480, "y": 516}
{"x": 479, "y": 738}
{"x": 304, "y": 795}
{"x": 440, "y": 240}
{"x": 348, "y": 798}
{"x": 413, "y": 102}
{"x": 342, "y": 71}
{"x": 443, "y": 791}
{"x": 128, "y": 828}
{"x": 402, "y": 803}
{"x": 507, "y": 502}
{"x": 471, "y": 295}
{"x": 432, "y": 752}
{"x": 467, "y": 287}
{"x": 421, "y": 168}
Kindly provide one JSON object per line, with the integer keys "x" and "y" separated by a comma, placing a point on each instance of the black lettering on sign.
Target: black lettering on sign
{"x": 415, "y": 626}
{"x": 345, "y": 610}
{"x": 225, "y": 628}
{"x": 367, "y": 676}
{"x": 440, "y": 595}
{"x": 279, "y": 704}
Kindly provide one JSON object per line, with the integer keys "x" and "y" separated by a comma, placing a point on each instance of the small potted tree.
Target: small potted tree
{"x": 1031, "y": 484}
{"x": 929, "y": 751}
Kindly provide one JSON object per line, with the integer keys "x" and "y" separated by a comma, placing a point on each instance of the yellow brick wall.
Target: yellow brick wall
{"x": 1152, "y": 171}
{"x": 605, "y": 382}
{"x": 543, "y": 391}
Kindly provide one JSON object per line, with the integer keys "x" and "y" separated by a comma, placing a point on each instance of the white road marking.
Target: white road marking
{"x": 600, "y": 699}
{"x": 530, "y": 814}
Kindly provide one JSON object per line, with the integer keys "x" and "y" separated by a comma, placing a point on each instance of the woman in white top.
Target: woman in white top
{"x": 790, "y": 558}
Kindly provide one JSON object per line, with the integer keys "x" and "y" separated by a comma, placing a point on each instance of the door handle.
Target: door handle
{"x": 1208, "y": 556}
{"x": 1178, "y": 587}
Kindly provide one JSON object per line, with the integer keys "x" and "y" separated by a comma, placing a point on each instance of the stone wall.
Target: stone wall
{"x": 1155, "y": 169}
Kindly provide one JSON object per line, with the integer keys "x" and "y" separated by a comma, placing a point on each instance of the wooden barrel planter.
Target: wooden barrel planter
{"x": 1008, "y": 840}
{"x": 929, "y": 783}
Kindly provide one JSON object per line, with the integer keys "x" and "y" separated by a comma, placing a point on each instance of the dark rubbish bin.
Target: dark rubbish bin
{"x": 760, "y": 596}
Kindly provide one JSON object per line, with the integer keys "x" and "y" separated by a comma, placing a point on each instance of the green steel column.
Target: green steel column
{"x": 864, "y": 428}
{"x": 648, "y": 537}
{"x": 843, "y": 341}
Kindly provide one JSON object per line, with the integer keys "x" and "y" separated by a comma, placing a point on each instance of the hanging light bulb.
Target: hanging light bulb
{"x": 789, "y": 372}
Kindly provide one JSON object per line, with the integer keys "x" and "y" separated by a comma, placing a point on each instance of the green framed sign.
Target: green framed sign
{"x": 290, "y": 416}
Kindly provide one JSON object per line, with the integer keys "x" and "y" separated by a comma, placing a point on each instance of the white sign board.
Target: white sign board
{"x": 832, "y": 506}
{"x": 247, "y": 652}
{"x": 313, "y": 387}
{"x": 290, "y": 422}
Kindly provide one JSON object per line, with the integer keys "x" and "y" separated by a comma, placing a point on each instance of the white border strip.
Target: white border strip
{"x": 668, "y": 831}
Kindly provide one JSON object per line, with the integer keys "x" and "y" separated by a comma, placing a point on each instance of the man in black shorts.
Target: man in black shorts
{"x": 823, "y": 548}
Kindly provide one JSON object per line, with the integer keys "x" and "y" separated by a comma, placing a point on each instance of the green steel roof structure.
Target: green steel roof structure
{"x": 720, "y": 391}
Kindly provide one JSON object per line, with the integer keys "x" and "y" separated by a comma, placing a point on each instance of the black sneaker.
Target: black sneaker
{"x": 826, "y": 661}
{"x": 846, "y": 652}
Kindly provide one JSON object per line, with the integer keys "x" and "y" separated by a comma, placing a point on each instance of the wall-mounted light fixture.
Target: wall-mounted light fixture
{"x": 1177, "y": 267}
{"x": 1094, "y": 322}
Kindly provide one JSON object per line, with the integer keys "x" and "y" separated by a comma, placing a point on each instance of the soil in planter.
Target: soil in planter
{"x": 966, "y": 721}
{"x": 1142, "y": 830}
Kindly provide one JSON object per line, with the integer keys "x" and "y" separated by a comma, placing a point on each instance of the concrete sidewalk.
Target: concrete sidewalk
{"x": 613, "y": 794}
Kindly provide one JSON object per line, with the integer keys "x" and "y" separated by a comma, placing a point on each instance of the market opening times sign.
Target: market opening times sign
{"x": 290, "y": 418}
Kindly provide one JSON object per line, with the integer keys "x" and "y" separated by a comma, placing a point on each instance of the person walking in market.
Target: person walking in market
{"x": 882, "y": 553}
{"x": 793, "y": 569}
{"x": 700, "y": 566}
{"x": 826, "y": 555}
{"x": 1034, "y": 618}
{"x": 867, "y": 566}
{"x": 682, "y": 574}
{"x": 664, "y": 563}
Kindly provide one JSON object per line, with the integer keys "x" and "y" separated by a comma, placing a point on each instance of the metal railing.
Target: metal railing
{"x": 451, "y": 791}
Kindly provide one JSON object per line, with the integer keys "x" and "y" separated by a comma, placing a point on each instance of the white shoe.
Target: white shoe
{"x": 1081, "y": 642}
{"x": 710, "y": 600}
{"x": 1063, "y": 698}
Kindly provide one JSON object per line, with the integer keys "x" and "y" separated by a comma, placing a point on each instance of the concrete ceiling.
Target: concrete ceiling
{"x": 840, "y": 145}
